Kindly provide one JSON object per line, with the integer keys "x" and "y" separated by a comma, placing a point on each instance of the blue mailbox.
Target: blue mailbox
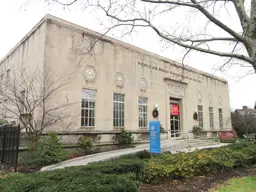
{"x": 154, "y": 136}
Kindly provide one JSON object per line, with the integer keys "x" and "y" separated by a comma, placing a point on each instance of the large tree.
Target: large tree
{"x": 243, "y": 124}
{"x": 218, "y": 22}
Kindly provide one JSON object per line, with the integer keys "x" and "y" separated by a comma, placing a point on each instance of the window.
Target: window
{"x": 4, "y": 113}
{"x": 22, "y": 101}
{"x": 200, "y": 116}
{"x": 88, "y": 108}
{"x": 143, "y": 115}
{"x": 211, "y": 117}
{"x": 8, "y": 77}
{"x": 2, "y": 80}
{"x": 118, "y": 111}
{"x": 220, "y": 118}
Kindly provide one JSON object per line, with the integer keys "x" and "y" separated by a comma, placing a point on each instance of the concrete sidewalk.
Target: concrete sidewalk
{"x": 167, "y": 145}
{"x": 187, "y": 150}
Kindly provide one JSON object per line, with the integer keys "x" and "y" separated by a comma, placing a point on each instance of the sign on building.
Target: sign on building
{"x": 175, "y": 110}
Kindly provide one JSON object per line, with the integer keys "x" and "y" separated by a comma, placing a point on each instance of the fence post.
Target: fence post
{"x": 17, "y": 148}
{"x": 1, "y": 142}
{"x": 9, "y": 136}
{"x": 4, "y": 137}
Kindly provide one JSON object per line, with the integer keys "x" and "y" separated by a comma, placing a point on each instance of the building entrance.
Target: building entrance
{"x": 175, "y": 117}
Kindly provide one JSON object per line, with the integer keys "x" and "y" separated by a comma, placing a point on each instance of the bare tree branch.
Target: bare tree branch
{"x": 217, "y": 22}
{"x": 210, "y": 39}
{"x": 144, "y": 13}
{"x": 32, "y": 109}
{"x": 197, "y": 5}
{"x": 176, "y": 41}
{"x": 65, "y": 4}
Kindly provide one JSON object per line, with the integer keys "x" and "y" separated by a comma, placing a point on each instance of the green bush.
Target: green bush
{"x": 237, "y": 145}
{"x": 68, "y": 180}
{"x": 197, "y": 130}
{"x": 143, "y": 154}
{"x": 125, "y": 138}
{"x": 251, "y": 135}
{"x": 48, "y": 150}
{"x": 2, "y": 121}
{"x": 200, "y": 162}
{"x": 117, "y": 166}
{"x": 85, "y": 145}
{"x": 118, "y": 175}
{"x": 233, "y": 140}
{"x": 123, "y": 174}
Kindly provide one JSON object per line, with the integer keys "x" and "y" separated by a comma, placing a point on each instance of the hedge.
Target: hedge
{"x": 125, "y": 173}
{"x": 48, "y": 150}
{"x": 117, "y": 175}
{"x": 198, "y": 163}
{"x": 111, "y": 176}
{"x": 114, "y": 167}
{"x": 62, "y": 181}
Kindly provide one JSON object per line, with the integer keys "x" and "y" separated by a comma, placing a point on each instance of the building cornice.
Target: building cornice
{"x": 31, "y": 32}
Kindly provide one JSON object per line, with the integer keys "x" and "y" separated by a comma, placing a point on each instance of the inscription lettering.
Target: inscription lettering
{"x": 168, "y": 72}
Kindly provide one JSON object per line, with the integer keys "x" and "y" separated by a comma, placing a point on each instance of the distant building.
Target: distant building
{"x": 246, "y": 111}
{"x": 119, "y": 85}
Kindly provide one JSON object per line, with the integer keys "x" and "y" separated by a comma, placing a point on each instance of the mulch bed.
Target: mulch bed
{"x": 199, "y": 184}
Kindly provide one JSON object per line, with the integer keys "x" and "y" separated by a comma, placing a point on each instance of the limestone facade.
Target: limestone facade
{"x": 120, "y": 83}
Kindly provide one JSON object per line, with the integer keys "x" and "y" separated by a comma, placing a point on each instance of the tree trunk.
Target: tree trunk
{"x": 250, "y": 34}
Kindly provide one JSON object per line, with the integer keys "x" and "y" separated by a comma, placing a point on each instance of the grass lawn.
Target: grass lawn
{"x": 244, "y": 184}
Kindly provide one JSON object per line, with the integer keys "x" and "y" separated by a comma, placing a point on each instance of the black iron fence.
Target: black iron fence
{"x": 9, "y": 146}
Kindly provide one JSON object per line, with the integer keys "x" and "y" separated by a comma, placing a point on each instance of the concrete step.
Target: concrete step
{"x": 212, "y": 143}
{"x": 200, "y": 143}
{"x": 201, "y": 140}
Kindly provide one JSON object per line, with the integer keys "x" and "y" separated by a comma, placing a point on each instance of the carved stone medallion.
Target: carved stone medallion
{"x": 90, "y": 73}
{"x": 143, "y": 84}
{"x": 119, "y": 79}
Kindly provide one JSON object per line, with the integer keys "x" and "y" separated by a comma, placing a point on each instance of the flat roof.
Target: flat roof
{"x": 64, "y": 23}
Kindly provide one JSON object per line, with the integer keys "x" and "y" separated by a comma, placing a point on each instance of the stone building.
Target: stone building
{"x": 117, "y": 85}
{"x": 246, "y": 111}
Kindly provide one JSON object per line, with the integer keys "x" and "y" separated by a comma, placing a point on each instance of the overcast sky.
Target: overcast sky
{"x": 16, "y": 20}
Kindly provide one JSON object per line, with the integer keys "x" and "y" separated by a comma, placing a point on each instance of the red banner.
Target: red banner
{"x": 175, "y": 110}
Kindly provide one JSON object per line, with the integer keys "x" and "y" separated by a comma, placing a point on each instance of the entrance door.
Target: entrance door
{"x": 175, "y": 118}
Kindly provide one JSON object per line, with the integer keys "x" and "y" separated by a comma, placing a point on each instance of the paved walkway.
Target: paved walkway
{"x": 167, "y": 145}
